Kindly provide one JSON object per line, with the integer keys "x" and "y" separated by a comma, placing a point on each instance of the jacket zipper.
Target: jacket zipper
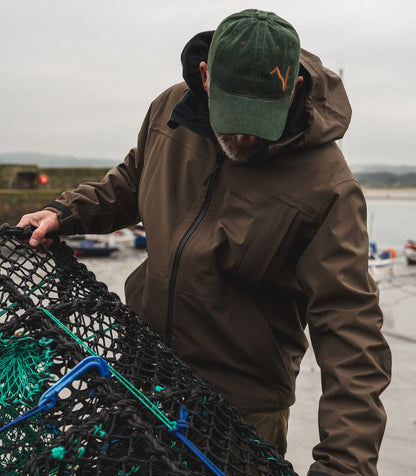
{"x": 181, "y": 246}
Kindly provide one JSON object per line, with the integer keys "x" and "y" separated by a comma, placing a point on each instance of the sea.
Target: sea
{"x": 391, "y": 222}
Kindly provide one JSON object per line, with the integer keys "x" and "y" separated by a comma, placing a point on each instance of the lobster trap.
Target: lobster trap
{"x": 86, "y": 388}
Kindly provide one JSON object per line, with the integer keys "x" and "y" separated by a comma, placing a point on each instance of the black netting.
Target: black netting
{"x": 151, "y": 417}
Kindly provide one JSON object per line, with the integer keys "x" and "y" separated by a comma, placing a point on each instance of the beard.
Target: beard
{"x": 240, "y": 153}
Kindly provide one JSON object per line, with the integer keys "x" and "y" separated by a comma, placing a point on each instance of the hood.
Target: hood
{"x": 321, "y": 112}
{"x": 192, "y": 110}
{"x": 327, "y": 110}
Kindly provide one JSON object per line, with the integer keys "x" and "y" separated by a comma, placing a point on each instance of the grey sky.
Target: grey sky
{"x": 76, "y": 78}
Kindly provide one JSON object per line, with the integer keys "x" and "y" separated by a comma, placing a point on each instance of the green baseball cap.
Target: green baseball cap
{"x": 253, "y": 63}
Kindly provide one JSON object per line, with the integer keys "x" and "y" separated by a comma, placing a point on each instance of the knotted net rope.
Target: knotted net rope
{"x": 154, "y": 416}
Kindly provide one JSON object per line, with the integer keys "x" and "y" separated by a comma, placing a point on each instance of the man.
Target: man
{"x": 255, "y": 228}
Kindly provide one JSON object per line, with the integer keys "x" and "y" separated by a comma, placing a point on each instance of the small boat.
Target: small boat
{"x": 122, "y": 236}
{"x": 139, "y": 236}
{"x": 115, "y": 238}
{"x": 410, "y": 251}
{"x": 380, "y": 266}
{"x": 91, "y": 248}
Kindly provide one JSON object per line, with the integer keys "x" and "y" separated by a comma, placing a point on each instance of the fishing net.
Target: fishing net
{"x": 87, "y": 388}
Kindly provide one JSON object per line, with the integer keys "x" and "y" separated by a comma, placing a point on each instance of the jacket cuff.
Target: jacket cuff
{"x": 63, "y": 210}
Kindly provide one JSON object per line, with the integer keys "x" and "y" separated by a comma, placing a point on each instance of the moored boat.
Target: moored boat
{"x": 410, "y": 251}
{"x": 381, "y": 266}
{"x": 91, "y": 248}
{"x": 139, "y": 236}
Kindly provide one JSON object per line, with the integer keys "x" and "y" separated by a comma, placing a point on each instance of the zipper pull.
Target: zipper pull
{"x": 218, "y": 162}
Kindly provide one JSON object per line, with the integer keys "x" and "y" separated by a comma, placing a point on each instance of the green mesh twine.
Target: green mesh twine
{"x": 23, "y": 369}
{"x": 24, "y": 364}
{"x": 27, "y": 435}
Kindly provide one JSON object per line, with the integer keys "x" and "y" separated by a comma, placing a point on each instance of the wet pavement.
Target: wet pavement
{"x": 398, "y": 301}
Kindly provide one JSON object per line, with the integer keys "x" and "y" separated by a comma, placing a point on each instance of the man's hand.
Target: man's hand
{"x": 45, "y": 221}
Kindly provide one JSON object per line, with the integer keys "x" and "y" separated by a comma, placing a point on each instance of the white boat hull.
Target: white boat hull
{"x": 381, "y": 269}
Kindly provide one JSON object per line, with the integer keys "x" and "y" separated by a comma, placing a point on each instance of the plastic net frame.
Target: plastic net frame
{"x": 97, "y": 425}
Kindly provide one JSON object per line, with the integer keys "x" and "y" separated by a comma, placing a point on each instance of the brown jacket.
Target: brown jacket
{"x": 243, "y": 256}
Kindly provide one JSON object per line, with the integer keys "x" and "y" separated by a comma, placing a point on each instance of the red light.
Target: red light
{"x": 43, "y": 179}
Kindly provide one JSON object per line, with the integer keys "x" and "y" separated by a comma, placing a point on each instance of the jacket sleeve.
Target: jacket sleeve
{"x": 345, "y": 323}
{"x": 108, "y": 205}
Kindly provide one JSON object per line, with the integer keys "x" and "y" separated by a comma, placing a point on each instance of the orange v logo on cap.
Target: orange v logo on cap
{"x": 284, "y": 81}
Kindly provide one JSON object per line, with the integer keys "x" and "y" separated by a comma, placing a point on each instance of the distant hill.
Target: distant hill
{"x": 385, "y": 176}
{"x": 52, "y": 160}
{"x": 383, "y": 168}
{"x": 386, "y": 180}
{"x": 369, "y": 175}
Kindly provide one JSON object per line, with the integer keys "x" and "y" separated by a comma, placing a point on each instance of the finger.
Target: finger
{"x": 24, "y": 221}
{"x": 46, "y": 242}
{"x": 43, "y": 245}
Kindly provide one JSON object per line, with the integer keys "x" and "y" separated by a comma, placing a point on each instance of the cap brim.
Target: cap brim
{"x": 232, "y": 114}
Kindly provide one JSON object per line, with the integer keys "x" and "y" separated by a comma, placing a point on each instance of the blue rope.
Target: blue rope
{"x": 180, "y": 430}
{"x": 24, "y": 416}
{"x": 48, "y": 398}
{"x": 177, "y": 427}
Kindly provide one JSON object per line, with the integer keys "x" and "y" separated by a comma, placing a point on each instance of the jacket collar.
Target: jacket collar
{"x": 193, "y": 114}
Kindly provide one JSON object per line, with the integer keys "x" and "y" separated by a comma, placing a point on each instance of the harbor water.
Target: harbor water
{"x": 391, "y": 222}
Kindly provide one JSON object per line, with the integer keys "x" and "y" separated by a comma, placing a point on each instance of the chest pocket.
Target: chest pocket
{"x": 252, "y": 228}
{"x": 241, "y": 233}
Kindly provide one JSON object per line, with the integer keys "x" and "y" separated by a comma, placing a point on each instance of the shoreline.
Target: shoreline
{"x": 390, "y": 193}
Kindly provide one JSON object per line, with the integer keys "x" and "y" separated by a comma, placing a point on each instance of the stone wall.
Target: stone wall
{"x": 21, "y": 192}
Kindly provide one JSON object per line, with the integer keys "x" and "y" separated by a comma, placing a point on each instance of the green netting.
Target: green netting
{"x": 153, "y": 416}
{"x": 23, "y": 369}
